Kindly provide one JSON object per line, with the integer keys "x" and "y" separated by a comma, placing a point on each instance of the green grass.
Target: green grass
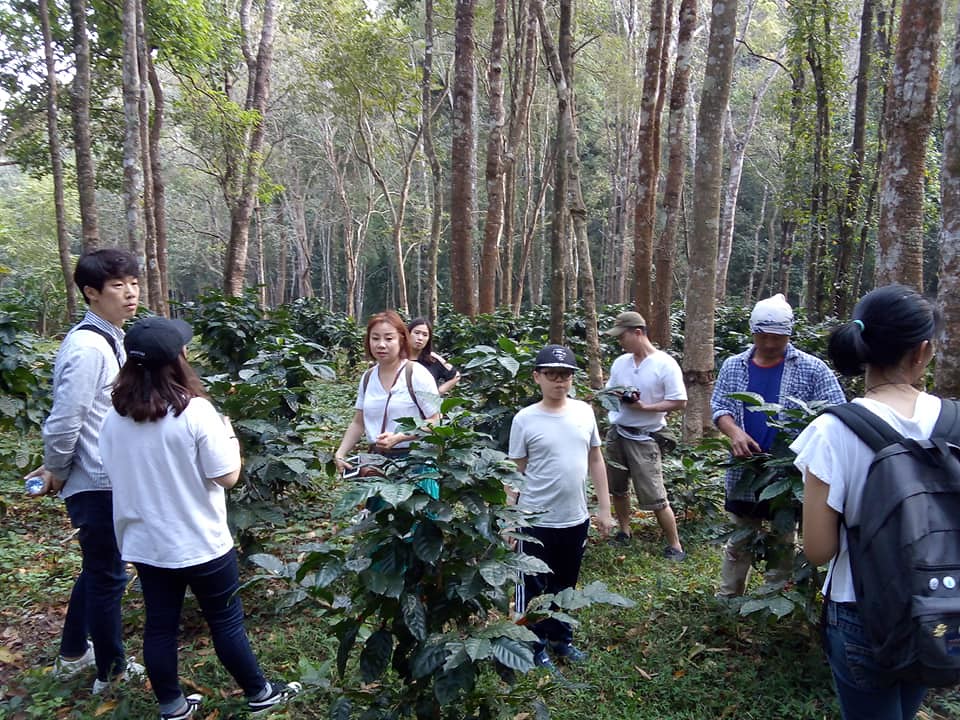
{"x": 678, "y": 654}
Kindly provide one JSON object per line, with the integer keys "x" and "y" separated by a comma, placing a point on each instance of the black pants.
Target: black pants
{"x": 562, "y": 551}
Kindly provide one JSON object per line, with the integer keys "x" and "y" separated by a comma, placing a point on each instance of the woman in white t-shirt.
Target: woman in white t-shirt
{"x": 890, "y": 341}
{"x": 170, "y": 455}
{"x": 384, "y": 393}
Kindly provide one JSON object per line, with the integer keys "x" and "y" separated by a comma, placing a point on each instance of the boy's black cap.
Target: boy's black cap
{"x": 556, "y": 356}
{"x": 156, "y": 341}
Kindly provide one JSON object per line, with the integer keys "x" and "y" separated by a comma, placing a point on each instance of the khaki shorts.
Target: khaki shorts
{"x": 640, "y": 463}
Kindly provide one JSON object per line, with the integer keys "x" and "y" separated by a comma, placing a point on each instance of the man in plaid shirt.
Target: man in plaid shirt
{"x": 773, "y": 368}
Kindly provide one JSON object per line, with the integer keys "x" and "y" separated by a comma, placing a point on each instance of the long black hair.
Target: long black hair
{"x": 426, "y": 355}
{"x": 887, "y": 323}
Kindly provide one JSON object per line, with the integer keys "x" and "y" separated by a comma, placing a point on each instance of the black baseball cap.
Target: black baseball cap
{"x": 156, "y": 341}
{"x": 556, "y": 356}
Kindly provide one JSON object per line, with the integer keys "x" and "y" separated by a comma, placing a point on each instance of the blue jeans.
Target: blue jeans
{"x": 861, "y": 689}
{"x": 94, "y": 609}
{"x": 215, "y": 585}
{"x": 562, "y": 551}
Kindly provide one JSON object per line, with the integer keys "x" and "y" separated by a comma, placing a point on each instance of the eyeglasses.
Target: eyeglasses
{"x": 555, "y": 375}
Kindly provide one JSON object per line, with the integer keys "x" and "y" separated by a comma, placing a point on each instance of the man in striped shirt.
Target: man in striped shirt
{"x": 86, "y": 365}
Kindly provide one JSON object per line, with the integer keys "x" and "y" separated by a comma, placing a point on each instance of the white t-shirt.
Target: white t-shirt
{"x": 658, "y": 377}
{"x": 401, "y": 405}
{"x": 556, "y": 446}
{"x": 166, "y": 513}
{"x": 831, "y": 451}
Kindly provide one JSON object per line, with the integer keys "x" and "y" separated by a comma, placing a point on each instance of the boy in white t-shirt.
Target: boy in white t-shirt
{"x": 555, "y": 444}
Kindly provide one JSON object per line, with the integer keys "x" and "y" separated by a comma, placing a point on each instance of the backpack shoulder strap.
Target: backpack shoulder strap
{"x": 948, "y": 424}
{"x": 408, "y": 374}
{"x": 366, "y": 380}
{"x": 874, "y": 431}
{"x": 111, "y": 341}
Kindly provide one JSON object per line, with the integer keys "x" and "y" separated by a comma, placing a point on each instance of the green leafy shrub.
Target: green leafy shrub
{"x": 261, "y": 375}
{"x": 337, "y": 332}
{"x": 25, "y": 373}
{"x": 419, "y": 583}
{"x": 776, "y": 480}
{"x": 231, "y": 328}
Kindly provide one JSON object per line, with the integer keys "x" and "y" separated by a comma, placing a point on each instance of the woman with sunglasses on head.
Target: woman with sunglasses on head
{"x": 421, "y": 350}
{"x": 393, "y": 388}
{"x": 170, "y": 457}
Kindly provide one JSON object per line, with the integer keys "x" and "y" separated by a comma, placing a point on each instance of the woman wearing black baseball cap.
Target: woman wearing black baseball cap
{"x": 170, "y": 455}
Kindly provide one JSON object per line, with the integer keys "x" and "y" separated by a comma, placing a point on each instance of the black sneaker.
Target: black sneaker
{"x": 542, "y": 660}
{"x": 621, "y": 538}
{"x": 279, "y": 694}
{"x": 568, "y": 653}
{"x": 671, "y": 553}
{"x": 193, "y": 702}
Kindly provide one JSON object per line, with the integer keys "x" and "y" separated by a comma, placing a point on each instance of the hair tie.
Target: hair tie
{"x": 859, "y": 324}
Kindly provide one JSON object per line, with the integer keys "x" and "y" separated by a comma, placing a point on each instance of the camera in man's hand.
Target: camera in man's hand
{"x": 630, "y": 397}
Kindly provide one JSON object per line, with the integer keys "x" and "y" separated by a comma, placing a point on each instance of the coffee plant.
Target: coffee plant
{"x": 417, "y": 584}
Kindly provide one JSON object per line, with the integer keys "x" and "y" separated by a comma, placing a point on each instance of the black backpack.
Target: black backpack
{"x": 905, "y": 553}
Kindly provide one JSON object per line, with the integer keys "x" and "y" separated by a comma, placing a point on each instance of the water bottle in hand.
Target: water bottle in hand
{"x": 34, "y": 485}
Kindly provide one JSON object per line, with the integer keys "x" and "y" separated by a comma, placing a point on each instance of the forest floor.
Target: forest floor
{"x": 679, "y": 654}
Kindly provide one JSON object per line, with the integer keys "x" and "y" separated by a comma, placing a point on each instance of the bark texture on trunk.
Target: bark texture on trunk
{"x": 645, "y": 211}
{"x": 947, "y": 377}
{"x": 910, "y": 105}
{"x": 493, "y": 174}
{"x": 698, "y": 355}
{"x": 56, "y": 162}
{"x": 666, "y": 246}
{"x": 82, "y": 143}
{"x": 241, "y": 211}
{"x": 463, "y": 165}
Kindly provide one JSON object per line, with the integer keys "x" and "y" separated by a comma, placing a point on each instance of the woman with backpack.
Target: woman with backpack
{"x": 890, "y": 342}
{"x": 170, "y": 457}
{"x": 393, "y": 388}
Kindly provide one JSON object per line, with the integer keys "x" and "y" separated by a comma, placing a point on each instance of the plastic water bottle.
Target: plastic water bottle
{"x": 34, "y": 485}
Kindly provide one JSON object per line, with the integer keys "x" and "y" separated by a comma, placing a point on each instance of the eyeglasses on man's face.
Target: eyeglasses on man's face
{"x": 556, "y": 375}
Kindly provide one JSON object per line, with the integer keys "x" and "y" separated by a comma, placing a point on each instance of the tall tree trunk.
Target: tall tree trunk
{"x": 56, "y": 162}
{"x": 132, "y": 177}
{"x": 816, "y": 247}
{"x": 532, "y": 212}
{"x": 258, "y": 92}
{"x": 159, "y": 186}
{"x": 698, "y": 355}
{"x": 645, "y": 212}
{"x": 463, "y": 167}
{"x": 666, "y": 246}
{"x": 436, "y": 174}
{"x": 947, "y": 375}
{"x": 913, "y": 90}
{"x": 80, "y": 109}
{"x": 155, "y": 286}
{"x": 558, "y": 222}
{"x": 755, "y": 265}
{"x": 523, "y": 87}
{"x": 561, "y": 69}
{"x": 738, "y": 151}
{"x": 490, "y": 253}
{"x": 851, "y": 203}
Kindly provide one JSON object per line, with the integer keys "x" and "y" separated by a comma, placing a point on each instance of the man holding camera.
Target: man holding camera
{"x": 650, "y": 384}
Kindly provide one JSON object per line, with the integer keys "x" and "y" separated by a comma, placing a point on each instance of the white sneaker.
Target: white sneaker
{"x": 279, "y": 694}
{"x": 67, "y": 669}
{"x": 192, "y": 702}
{"x": 133, "y": 671}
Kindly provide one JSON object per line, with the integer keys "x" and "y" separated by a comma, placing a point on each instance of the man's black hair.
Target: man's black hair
{"x": 97, "y": 267}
